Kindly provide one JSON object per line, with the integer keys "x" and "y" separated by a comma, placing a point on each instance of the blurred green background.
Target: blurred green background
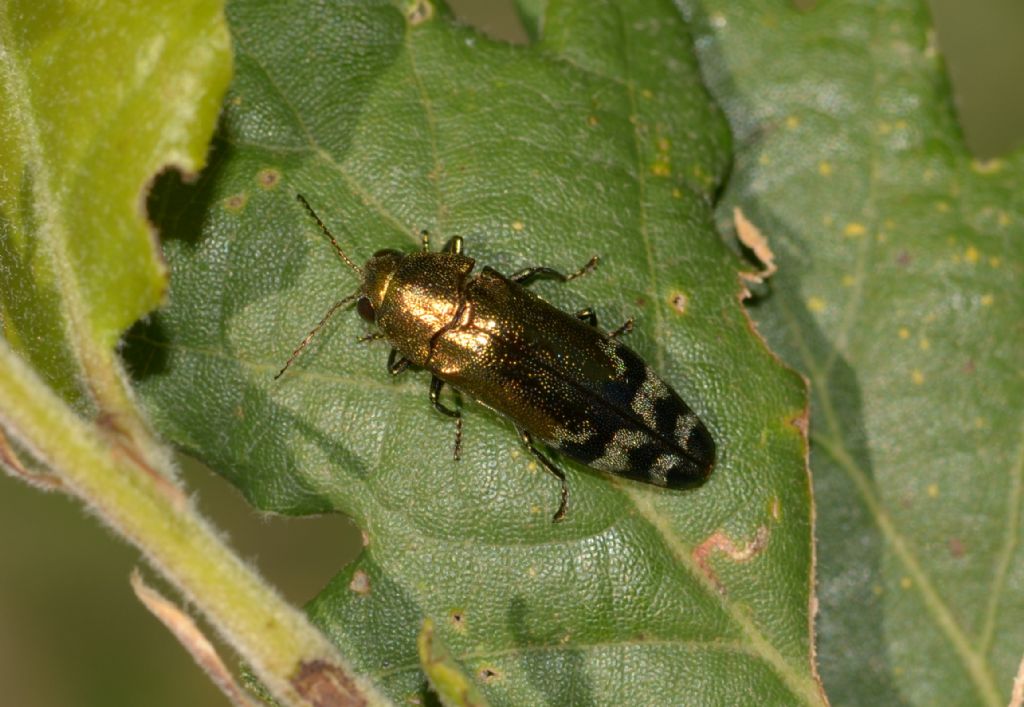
{"x": 71, "y": 631}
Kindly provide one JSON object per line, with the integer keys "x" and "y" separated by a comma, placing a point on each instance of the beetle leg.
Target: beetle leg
{"x": 435, "y": 399}
{"x": 627, "y": 326}
{"x": 454, "y": 245}
{"x": 547, "y": 464}
{"x": 425, "y": 239}
{"x": 526, "y": 274}
{"x": 588, "y": 316}
{"x": 396, "y": 363}
{"x": 373, "y": 336}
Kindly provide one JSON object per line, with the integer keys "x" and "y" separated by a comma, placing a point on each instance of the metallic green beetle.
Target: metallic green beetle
{"x": 560, "y": 379}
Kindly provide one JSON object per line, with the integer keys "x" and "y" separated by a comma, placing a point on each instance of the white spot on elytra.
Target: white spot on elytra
{"x": 651, "y": 390}
{"x": 616, "y": 453}
{"x": 684, "y": 427}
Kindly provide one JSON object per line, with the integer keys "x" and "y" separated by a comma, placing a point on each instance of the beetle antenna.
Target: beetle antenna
{"x": 341, "y": 254}
{"x": 309, "y": 337}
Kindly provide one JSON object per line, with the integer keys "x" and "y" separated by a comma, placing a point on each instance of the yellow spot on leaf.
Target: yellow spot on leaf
{"x": 824, "y": 168}
{"x": 816, "y": 304}
{"x": 979, "y": 423}
{"x": 854, "y": 229}
{"x": 987, "y": 166}
{"x": 942, "y": 207}
{"x": 924, "y": 344}
{"x": 884, "y": 128}
{"x": 764, "y": 159}
{"x": 904, "y": 332}
{"x": 995, "y": 261}
{"x": 677, "y": 193}
{"x": 661, "y": 169}
{"x": 881, "y": 237}
{"x": 646, "y": 93}
{"x": 987, "y": 300}
{"x": 971, "y": 255}
{"x": 418, "y": 12}
{"x": 1004, "y": 218}
{"x": 877, "y": 589}
{"x": 517, "y": 226}
{"x": 592, "y": 120}
{"x": 792, "y": 122}
{"x": 664, "y": 144}
{"x": 849, "y": 280}
{"x": 905, "y": 583}
{"x": 933, "y": 491}
{"x": 917, "y": 377}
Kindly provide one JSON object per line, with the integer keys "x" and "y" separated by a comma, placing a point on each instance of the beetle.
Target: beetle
{"x": 556, "y": 376}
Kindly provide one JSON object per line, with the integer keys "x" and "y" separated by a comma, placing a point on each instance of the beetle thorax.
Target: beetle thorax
{"x": 421, "y": 297}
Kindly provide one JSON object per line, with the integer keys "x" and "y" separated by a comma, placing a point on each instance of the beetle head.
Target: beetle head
{"x": 377, "y": 275}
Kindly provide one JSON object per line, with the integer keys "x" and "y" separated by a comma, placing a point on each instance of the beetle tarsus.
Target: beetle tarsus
{"x": 435, "y": 399}
{"x": 627, "y": 326}
{"x": 547, "y": 464}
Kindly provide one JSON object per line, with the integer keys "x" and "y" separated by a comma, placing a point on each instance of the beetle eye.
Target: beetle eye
{"x": 387, "y": 251}
{"x": 365, "y": 309}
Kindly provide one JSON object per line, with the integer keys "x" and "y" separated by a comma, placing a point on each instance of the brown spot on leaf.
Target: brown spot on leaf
{"x": 458, "y": 619}
{"x": 956, "y": 547}
{"x": 969, "y": 366}
{"x": 801, "y": 421}
{"x": 903, "y": 259}
{"x": 679, "y": 302}
{"x": 269, "y": 178}
{"x": 488, "y": 674}
{"x": 236, "y": 202}
{"x": 720, "y": 542}
{"x": 324, "y": 684}
{"x": 360, "y": 583}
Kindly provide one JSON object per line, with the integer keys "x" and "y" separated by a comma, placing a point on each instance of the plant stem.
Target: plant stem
{"x": 142, "y": 504}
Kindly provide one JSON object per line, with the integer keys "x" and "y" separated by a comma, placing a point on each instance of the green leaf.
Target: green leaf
{"x": 93, "y": 103}
{"x": 599, "y": 139}
{"x": 900, "y": 295}
{"x": 446, "y": 676}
